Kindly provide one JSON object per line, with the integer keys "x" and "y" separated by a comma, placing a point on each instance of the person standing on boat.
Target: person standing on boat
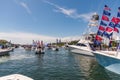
{"x": 110, "y": 44}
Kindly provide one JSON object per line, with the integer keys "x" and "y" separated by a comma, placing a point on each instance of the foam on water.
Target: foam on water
{"x": 18, "y": 54}
{"x": 3, "y": 59}
{"x": 20, "y": 57}
{"x": 114, "y": 68}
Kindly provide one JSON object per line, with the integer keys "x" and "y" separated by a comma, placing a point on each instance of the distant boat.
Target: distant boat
{"x": 15, "y": 77}
{"x": 55, "y": 48}
{"x": 40, "y": 50}
{"x": 5, "y": 51}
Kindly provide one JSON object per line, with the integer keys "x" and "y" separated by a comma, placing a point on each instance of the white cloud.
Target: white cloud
{"x": 25, "y": 6}
{"x": 25, "y": 38}
{"x": 71, "y": 38}
{"x": 71, "y": 12}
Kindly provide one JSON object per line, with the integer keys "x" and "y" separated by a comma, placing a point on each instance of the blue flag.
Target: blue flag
{"x": 111, "y": 24}
{"x": 118, "y": 15}
{"x": 106, "y": 13}
{"x": 100, "y": 33}
{"x": 103, "y": 23}
{"x": 117, "y": 25}
{"x": 107, "y": 35}
{"x": 107, "y": 8}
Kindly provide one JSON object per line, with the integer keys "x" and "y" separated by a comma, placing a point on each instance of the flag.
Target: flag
{"x": 101, "y": 28}
{"x": 109, "y": 29}
{"x": 103, "y": 23}
{"x": 97, "y": 42}
{"x": 115, "y": 20}
{"x": 100, "y": 33}
{"x": 106, "y": 13}
{"x": 105, "y": 18}
{"x": 111, "y": 24}
{"x": 118, "y": 15}
{"x": 107, "y": 34}
{"x": 116, "y": 30}
{"x": 98, "y": 38}
{"x": 117, "y": 25}
{"x": 106, "y": 8}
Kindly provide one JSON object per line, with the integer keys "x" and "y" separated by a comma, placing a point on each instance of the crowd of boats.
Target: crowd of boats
{"x": 39, "y": 47}
{"x": 105, "y": 48}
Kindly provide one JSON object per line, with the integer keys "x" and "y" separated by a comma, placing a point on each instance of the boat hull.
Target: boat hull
{"x": 81, "y": 51}
{"x": 5, "y": 52}
{"x": 109, "y": 62}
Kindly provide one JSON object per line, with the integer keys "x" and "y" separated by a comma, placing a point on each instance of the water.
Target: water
{"x": 52, "y": 65}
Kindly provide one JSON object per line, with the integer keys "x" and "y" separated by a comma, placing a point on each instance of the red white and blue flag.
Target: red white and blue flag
{"x": 106, "y": 8}
{"x": 99, "y": 38}
{"x": 116, "y": 30}
{"x": 107, "y": 13}
{"x": 117, "y": 25}
{"x": 108, "y": 35}
{"x": 100, "y": 33}
{"x": 109, "y": 29}
{"x": 105, "y": 18}
{"x": 111, "y": 24}
{"x": 103, "y": 23}
{"x": 101, "y": 28}
{"x": 115, "y": 20}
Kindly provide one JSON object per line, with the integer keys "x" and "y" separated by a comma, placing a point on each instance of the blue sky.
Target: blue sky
{"x": 49, "y": 18}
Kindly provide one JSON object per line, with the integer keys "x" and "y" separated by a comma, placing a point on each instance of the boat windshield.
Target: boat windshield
{"x": 81, "y": 44}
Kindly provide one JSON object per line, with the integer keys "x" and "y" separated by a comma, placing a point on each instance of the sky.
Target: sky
{"x": 22, "y": 21}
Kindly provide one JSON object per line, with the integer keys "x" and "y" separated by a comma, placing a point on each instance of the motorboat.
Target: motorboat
{"x": 109, "y": 58}
{"x": 5, "y": 51}
{"x": 83, "y": 47}
{"x": 86, "y": 43}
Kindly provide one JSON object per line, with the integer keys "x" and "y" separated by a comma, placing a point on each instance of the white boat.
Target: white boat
{"x": 109, "y": 60}
{"x": 15, "y": 77}
{"x": 5, "y": 51}
{"x": 85, "y": 45}
{"x": 82, "y": 47}
{"x": 39, "y": 50}
{"x": 55, "y": 48}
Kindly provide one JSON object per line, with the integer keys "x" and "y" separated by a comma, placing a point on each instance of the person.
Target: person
{"x": 110, "y": 44}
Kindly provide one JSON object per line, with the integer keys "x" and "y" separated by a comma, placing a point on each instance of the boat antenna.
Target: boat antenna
{"x": 93, "y": 22}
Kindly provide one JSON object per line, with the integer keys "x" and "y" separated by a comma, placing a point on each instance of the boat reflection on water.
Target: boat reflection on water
{"x": 90, "y": 69}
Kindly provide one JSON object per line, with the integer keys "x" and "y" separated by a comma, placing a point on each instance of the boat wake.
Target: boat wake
{"x": 20, "y": 57}
{"x": 15, "y": 57}
{"x": 3, "y": 59}
{"x": 114, "y": 68}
